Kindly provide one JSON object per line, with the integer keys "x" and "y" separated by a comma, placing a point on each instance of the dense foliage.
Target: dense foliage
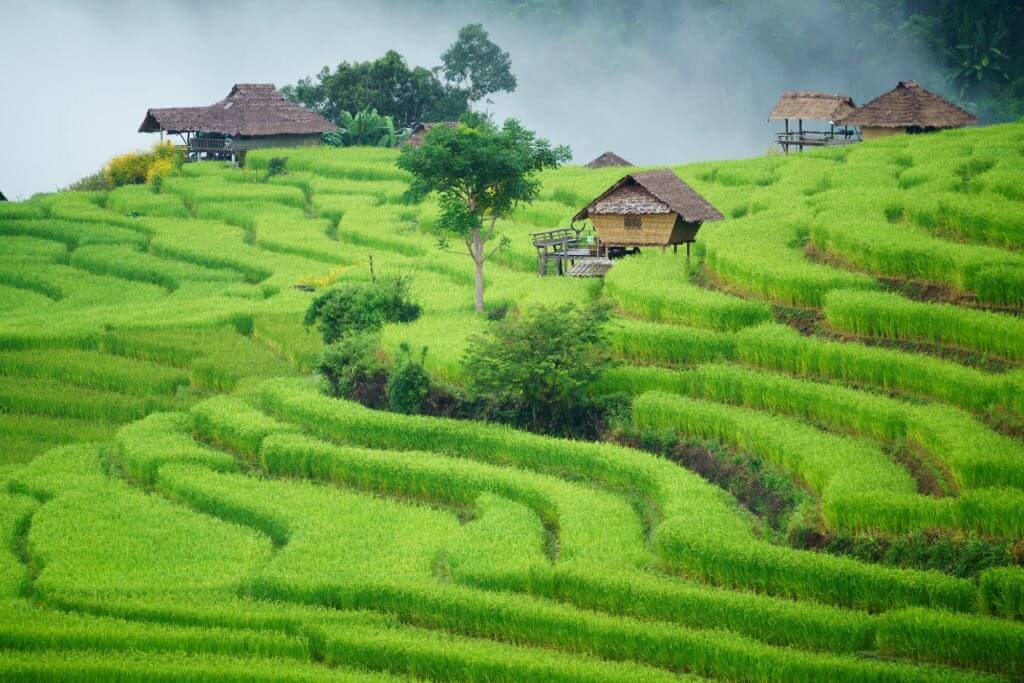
{"x": 365, "y": 127}
{"x": 360, "y": 307}
{"x": 388, "y": 85}
{"x": 473, "y": 67}
{"x": 538, "y": 371}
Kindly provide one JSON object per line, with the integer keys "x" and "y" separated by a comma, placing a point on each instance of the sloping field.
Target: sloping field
{"x": 178, "y": 500}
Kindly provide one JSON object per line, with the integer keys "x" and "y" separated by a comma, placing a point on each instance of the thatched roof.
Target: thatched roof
{"x": 249, "y": 109}
{"x": 908, "y": 104}
{"x": 420, "y": 130}
{"x": 815, "y": 106}
{"x": 609, "y": 159}
{"x": 659, "y": 191}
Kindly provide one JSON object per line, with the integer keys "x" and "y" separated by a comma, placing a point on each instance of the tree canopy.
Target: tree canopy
{"x": 477, "y": 65}
{"x": 407, "y": 95}
{"x": 472, "y": 68}
{"x": 479, "y": 173}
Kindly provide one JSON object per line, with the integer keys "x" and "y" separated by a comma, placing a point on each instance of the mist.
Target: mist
{"x": 679, "y": 85}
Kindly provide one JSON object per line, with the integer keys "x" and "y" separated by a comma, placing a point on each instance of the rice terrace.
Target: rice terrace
{"x": 331, "y": 381}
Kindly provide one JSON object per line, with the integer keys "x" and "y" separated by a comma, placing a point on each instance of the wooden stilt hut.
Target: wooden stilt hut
{"x": 907, "y": 109}
{"x": 253, "y": 115}
{"x": 812, "y": 106}
{"x": 648, "y": 209}
{"x": 608, "y": 159}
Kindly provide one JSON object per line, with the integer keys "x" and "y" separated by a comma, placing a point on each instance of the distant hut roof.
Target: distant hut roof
{"x": 419, "y": 131}
{"x": 658, "y": 191}
{"x": 2, "y": 197}
{"x": 608, "y": 159}
{"x": 249, "y": 109}
{"x": 908, "y": 104}
{"x": 815, "y": 106}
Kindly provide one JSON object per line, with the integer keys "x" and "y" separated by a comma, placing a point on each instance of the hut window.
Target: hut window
{"x": 633, "y": 221}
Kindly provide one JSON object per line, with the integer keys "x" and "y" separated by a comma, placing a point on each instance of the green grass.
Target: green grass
{"x": 140, "y": 200}
{"x": 155, "y": 528}
{"x": 656, "y": 287}
{"x": 874, "y": 314}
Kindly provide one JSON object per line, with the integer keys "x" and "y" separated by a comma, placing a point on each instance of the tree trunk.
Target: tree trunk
{"x": 477, "y": 251}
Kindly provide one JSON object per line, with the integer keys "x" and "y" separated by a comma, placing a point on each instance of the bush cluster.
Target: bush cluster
{"x": 363, "y": 306}
{"x": 537, "y": 371}
{"x": 349, "y": 319}
{"x": 136, "y": 168}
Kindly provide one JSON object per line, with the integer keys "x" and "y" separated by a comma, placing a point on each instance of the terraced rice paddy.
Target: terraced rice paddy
{"x": 177, "y": 499}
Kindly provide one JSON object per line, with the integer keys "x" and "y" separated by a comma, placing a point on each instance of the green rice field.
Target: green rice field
{"x": 180, "y": 501}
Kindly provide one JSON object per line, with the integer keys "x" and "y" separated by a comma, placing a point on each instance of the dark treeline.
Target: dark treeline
{"x": 975, "y": 48}
{"x": 977, "y": 45}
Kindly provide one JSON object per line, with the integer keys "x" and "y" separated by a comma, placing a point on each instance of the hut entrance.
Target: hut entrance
{"x": 649, "y": 209}
{"x": 813, "y": 106}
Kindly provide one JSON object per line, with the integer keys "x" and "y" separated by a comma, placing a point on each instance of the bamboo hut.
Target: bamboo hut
{"x": 907, "y": 109}
{"x": 253, "y": 115}
{"x": 608, "y": 159}
{"x": 651, "y": 208}
{"x": 812, "y": 106}
{"x": 420, "y": 130}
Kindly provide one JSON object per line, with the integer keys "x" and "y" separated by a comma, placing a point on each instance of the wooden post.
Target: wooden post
{"x": 687, "y": 252}
{"x": 785, "y": 146}
{"x": 800, "y": 123}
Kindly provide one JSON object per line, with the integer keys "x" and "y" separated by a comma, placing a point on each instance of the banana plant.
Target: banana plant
{"x": 366, "y": 127}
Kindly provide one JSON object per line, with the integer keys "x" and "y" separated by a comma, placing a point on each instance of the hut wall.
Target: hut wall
{"x": 875, "y": 132}
{"x": 256, "y": 142}
{"x": 655, "y": 229}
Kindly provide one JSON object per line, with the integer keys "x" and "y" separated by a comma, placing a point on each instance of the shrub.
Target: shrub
{"x": 157, "y": 172}
{"x": 408, "y": 383}
{"x": 126, "y": 169}
{"x": 363, "y": 306}
{"x": 536, "y": 371}
{"x": 276, "y": 166}
{"x": 136, "y": 168}
{"x": 351, "y": 363}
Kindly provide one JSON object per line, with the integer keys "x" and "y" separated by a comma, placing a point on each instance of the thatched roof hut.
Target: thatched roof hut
{"x": 252, "y": 115}
{"x": 420, "y": 130}
{"x": 811, "y": 106}
{"x": 250, "y": 109}
{"x": 609, "y": 159}
{"x": 650, "y": 208}
{"x": 907, "y": 108}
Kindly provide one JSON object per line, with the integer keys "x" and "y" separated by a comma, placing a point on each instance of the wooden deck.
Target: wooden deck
{"x": 591, "y": 268}
{"x": 566, "y": 251}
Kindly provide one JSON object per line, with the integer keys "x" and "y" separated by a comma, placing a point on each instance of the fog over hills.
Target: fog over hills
{"x": 674, "y": 84}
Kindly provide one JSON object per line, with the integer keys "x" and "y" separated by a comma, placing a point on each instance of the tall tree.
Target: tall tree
{"x": 479, "y": 173}
{"x": 476, "y": 65}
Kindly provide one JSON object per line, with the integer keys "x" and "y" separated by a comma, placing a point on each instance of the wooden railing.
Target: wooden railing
{"x": 815, "y": 138}
{"x": 209, "y": 145}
